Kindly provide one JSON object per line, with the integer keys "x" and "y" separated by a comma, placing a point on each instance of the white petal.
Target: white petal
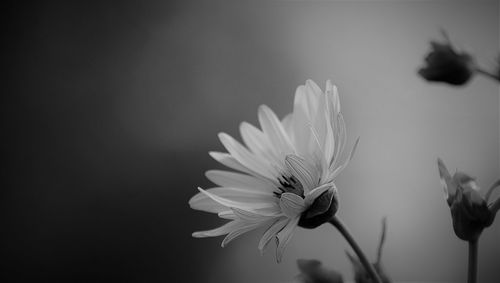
{"x": 291, "y": 204}
{"x": 246, "y": 158}
{"x": 253, "y": 216}
{"x": 340, "y": 138}
{"x": 274, "y": 130}
{"x": 229, "y": 161}
{"x": 202, "y": 202}
{"x": 319, "y": 120}
{"x": 313, "y": 92}
{"x": 246, "y": 227}
{"x": 287, "y": 123}
{"x": 258, "y": 142}
{"x": 346, "y": 161}
{"x": 242, "y": 181}
{"x": 284, "y": 236}
{"x": 303, "y": 171}
{"x": 199, "y": 201}
{"x": 314, "y": 87}
{"x": 446, "y": 180}
{"x": 300, "y": 123}
{"x": 227, "y": 214}
{"x": 271, "y": 232}
{"x": 222, "y": 230}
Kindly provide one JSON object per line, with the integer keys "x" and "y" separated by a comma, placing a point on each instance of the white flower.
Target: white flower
{"x": 283, "y": 169}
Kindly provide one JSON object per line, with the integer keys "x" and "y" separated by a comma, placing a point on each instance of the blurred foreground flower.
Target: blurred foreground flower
{"x": 361, "y": 275}
{"x": 312, "y": 271}
{"x": 286, "y": 174}
{"x": 469, "y": 210}
{"x": 445, "y": 64}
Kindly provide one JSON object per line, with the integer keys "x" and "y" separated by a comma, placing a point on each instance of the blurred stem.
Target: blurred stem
{"x": 337, "y": 223}
{"x": 487, "y": 73}
{"x": 382, "y": 240}
{"x": 472, "y": 273}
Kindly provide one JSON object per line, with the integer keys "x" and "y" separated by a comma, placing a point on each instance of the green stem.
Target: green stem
{"x": 337, "y": 223}
{"x": 472, "y": 273}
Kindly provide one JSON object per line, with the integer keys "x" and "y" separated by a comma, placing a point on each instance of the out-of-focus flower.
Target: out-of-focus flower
{"x": 470, "y": 212}
{"x": 312, "y": 271}
{"x": 445, "y": 64}
{"x": 286, "y": 171}
{"x": 360, "y": 273}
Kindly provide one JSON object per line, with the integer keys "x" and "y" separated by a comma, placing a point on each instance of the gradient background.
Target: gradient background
{"x": 109, "y": 110}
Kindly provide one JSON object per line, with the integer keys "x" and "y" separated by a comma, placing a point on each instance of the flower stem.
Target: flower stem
{"x": 337, "y": 223}
{"x": 487, "y": 73}
{"x": 472, "y": 273}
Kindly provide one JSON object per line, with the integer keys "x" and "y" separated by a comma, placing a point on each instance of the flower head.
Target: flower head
{"x": 445, "y": 64}
{"x": 469, "y": 210}
{"x": 286, "y": 171}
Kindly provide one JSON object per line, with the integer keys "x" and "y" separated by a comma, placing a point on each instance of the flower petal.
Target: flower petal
{"x": 253, "y": 216}
{"x": 258, "y": 142}
{"x": 271, "y": 232}
{"x": 287, "y": 123}
{"x": 303, "y": 171}
{"x": 346, "y": 162}
{"x": 246, "y": 158}
{"x": 274, "y": 130}
{"x": 284, "y": 236}
{"x": 227, "y": 214}
{"x": 262, "y": 202}
{"x": 222, "y": 230}
{"x": 312, "y": 195}
{"x": 245, "y": 227}
{"x": 229, "y": 161}
{"x": 237, "y": 180}
{"x": 449, "y": 187}
{"x": 291, "y": 204}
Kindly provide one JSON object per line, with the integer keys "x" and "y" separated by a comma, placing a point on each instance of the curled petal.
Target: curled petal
{"x": 309, "y": 198}
{"x": 284, "y": 236}
{"x": 222, "y": 230}
{"x": 271, "y": 232}
{"x": 291, "y": 204}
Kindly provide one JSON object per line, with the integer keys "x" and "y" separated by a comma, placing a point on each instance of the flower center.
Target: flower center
{"x": 290, "y": 185}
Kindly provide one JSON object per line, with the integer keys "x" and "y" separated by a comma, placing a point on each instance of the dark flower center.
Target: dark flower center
{"x": 290, "y": 185}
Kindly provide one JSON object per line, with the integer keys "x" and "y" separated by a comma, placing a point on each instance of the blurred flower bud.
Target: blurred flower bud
{"x": 360, "y": 273}
{"x": 322, "y": 210}
{"x": 445, "y": 64}
{"x": 469, "y": 210}
{"x": 312, "y": 271}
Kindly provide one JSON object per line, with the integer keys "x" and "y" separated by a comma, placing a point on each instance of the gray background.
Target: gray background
{"x": 109, "y": 110}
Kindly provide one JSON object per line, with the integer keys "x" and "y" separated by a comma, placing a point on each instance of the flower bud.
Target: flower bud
{"x": 312, "y": 271}
{"x": 470, "y": 213}
{"x": 445, "y": 64}
{"x": 321, "y": 210}
{"x": 469, "y": 210}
